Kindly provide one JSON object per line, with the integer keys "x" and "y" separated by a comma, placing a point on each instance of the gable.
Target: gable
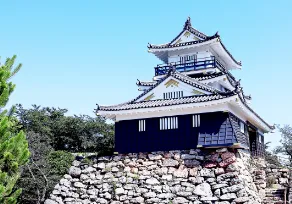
{"x": 172, "y": 88}
{"x": 186, "y": 36}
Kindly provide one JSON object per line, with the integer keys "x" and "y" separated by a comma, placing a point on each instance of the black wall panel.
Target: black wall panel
{"x": 215, "y": 129}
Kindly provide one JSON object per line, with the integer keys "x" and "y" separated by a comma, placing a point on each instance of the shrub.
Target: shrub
{"x": 60, "y": 162}
{"x": 271, "y": 181}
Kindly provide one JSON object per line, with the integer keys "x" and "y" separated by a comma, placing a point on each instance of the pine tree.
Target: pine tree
{"x": 13, "y": 147}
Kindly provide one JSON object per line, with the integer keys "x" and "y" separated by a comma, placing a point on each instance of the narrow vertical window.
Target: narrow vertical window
{"x": 260, "y": 139}
{"x": 165, "y": 123}
{"x": 181, "y": 60}
{"x": 199, "y": 120}
{"x": 196, "y": 120}
{"x": 142, "y": 125}
{"x": 241, "y": 124}
{"x": 175, "y": 94}
{"x": 168, "y": 123}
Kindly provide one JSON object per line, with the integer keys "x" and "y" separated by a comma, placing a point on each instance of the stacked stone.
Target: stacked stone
{"x": 259, "y": 177}
{"x": 176, "y": 177}
{"x": 280, "y": 175}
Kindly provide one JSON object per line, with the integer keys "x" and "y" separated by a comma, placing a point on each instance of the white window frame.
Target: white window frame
{"x": 142, "y": 125}
{"x": 260, "y": 137}
{"x": 168, "y": 123}
{"x": 196, "y": 120}
{"x": 242, "y": 127}
{"x": 173, "y": 95}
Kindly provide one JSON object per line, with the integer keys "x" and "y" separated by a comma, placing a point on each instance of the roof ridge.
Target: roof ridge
{"x": 198, "y": 83}
{"x": 172, "y": 72}
{"x": 167, "y": 102}
{"x": 184, "y": 97}
{"x": 248, "y": 107}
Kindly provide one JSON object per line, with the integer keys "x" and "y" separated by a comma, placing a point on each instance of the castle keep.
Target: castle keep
{"x": 193, "y": 101}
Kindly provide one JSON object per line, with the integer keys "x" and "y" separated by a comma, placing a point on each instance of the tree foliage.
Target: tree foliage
{"x": 51, "y": 135}
{"x": 286, "y": 142}
{"x": 270, "y": 156}
{"x": 70, "y": 133}
{"x": 13, "y": 146}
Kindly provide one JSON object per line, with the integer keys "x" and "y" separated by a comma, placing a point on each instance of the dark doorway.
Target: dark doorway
{"x": 252, "y": 133}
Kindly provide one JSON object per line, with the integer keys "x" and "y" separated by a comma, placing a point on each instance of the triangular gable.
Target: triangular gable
{"x": 172, "y": 87}
{"x": 185, "y": 36}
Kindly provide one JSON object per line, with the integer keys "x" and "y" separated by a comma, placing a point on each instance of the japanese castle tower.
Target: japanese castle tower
{"x": 192, "y": 102}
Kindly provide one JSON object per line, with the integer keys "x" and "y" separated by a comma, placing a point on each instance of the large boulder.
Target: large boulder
{"x": 152, "y": 181}
{"x": 74, "y": 171}
{"x": 203, "y": 189}
{"x": 170, "y": 162}
{"x": 49, "y": 201}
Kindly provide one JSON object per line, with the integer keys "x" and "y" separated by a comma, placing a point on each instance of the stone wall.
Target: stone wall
{"x": 279, "y": 175}
{"x": 174, "y": 177}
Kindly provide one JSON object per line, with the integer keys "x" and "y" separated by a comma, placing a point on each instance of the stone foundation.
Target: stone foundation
{"x": 194, "y": 176}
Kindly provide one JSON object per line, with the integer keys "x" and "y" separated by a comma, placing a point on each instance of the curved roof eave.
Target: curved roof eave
{"x": 158, "y": 50}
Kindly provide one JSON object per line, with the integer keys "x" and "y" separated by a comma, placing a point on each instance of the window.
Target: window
{"x": 142, "y": 125}
{"x": 181, "y": 59}
{"x": 175, "y": 94}
{"x": 187, "y": 58}
{"x": 196, "y": 120}
{"x": 168, "y": 123}
{"x": 241, "y": 125}
{"x": 260, "y": 138}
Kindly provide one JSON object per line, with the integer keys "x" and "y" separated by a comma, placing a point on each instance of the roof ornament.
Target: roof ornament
{"x": 149, "y": 45}
{"x": 138, "y": 82}
{"x": 248, "y": 97}
{"x": 188, "y": 23}
{"x": 217, "y": 34}
{"x": 238, "y": 88}
{"x": 97, "y": 108}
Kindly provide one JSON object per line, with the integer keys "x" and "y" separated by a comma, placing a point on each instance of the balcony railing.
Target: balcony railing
{"x": 192, "y": 65}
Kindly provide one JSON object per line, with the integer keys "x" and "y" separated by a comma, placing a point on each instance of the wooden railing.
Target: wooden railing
{"x": 193, "y": 65}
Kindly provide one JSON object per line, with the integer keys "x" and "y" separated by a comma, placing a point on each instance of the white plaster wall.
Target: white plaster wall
{"x": 175, "y": 56}
{"x": 161, "y": 88}
{"x": 184, "y": 38}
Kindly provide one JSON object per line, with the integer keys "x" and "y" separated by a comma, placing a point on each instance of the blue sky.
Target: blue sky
{"x": 79, "y": 53}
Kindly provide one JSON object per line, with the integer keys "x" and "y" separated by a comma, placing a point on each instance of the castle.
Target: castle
{"x": 193, "y": 101}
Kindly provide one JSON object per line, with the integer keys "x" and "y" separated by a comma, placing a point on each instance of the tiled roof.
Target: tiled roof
{"x": 183, "y": 78}
{"x": 146, "y": 83}
{"x": 188, "y": 27}
{"x": 197, "y": 33}
{"x": 169, "y": 45}
{"x": 167, "y": 102}
{"x": 200, "y": 78}
{"x": 248, "y": 107}
{"x": 209, "y": 76}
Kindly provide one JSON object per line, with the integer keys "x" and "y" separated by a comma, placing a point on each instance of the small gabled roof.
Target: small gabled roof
{"x": 202, "y": 39}
{"x": 188, "y": 27}
{"x": 183, "y": 78}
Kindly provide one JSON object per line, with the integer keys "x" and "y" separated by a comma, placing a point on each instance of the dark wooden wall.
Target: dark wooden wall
{"x": 216, "y": 129}
{"x": 129, "y": 139}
